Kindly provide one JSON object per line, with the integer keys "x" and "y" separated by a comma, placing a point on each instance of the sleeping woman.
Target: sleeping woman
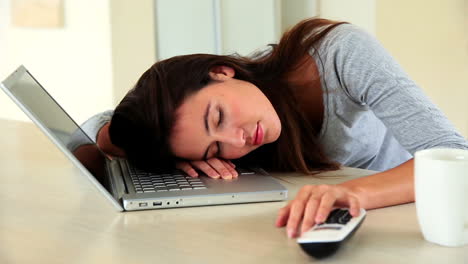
{"x": 327, "y": 95}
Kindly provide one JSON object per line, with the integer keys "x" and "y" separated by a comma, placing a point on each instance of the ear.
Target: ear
{"x": 221, "y": 73}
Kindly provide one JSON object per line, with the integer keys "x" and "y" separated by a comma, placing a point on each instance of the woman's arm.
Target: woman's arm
{"x": 394, "y": 186}
{"x": 105, "y": 144}
{"x": 314, "y": 202}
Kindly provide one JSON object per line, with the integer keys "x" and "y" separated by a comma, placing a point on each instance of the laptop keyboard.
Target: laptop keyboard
{"x": 145, "y": 182}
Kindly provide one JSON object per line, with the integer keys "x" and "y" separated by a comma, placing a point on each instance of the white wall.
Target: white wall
{"x": 429, "y": 38}
{"x": 358, "y": 12}
{"x": 184, "y": 27}
{"x": 133, "y": 43}
{"x": 90, "y": 63}
{"x": 215, "y": 26}
{"x": 293, "y": 13}
{"x": 73, "y": 63}
{"x": 249, "y": 25}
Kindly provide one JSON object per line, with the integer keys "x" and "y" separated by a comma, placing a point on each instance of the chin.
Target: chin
{"x": 272, "y": 132}
{"x": 276, "y": 134}
{"x": 271, "y": 139}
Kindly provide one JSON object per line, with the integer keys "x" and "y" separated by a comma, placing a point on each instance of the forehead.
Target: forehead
{"x": 188, "y": 136}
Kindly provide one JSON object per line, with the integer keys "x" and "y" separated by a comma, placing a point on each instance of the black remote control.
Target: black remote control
{"x": 324, "y": 239}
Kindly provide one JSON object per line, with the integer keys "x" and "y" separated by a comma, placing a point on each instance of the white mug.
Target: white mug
{"x": 441, "y": 194}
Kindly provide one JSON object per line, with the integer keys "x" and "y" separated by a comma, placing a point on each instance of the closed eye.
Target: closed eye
{"x": 220, "y": 122}
{"x": 221, "y": 116}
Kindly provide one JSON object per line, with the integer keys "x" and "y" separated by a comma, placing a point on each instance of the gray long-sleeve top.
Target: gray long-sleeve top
{"x": 375, "y": 116}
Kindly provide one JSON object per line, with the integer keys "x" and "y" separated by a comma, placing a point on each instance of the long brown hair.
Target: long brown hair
{"x": 142, "y": 122}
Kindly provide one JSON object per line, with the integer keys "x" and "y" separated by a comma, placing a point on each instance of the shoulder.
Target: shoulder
{"x": 355, "y": 61}
{"x": 350, "y": 48}
{"x": 345, "y": 33}
{"x": 349, "y": 42}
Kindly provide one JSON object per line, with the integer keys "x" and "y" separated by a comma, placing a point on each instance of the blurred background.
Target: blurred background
{"x": 88, "y": 53}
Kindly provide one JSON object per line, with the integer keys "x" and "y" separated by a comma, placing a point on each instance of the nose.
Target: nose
{"x": 234, "y": 137}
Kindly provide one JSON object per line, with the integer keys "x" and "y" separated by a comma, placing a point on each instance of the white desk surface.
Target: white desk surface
{"x": 50, "y": 214}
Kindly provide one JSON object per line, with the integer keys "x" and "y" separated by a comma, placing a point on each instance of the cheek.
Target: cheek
{"x": 243, "y": 112}
{"x": 236, "y": 112}
{"x": 187, "y": 143}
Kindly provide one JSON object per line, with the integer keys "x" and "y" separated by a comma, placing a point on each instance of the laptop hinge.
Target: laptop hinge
{"x": 116, "y": 178}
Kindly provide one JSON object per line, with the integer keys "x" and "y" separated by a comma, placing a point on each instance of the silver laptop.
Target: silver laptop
{"x": 126, "y": 187}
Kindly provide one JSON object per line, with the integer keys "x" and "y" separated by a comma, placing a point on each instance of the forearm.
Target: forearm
{"x": 391, "y": 187}
{"x": 105, "y": 144}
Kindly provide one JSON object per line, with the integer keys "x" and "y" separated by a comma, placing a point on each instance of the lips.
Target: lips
{"x": 258, "y": 135}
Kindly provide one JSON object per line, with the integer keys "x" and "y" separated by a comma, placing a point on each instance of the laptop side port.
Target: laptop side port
{"x": 157, "y": 203}
{"x": 143, "y": 204}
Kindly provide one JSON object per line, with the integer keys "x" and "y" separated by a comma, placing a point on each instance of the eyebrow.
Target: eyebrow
{"x": 207, "y": 127}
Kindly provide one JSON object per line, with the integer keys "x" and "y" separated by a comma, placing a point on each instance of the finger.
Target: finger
{"x": 297, "y": 209}
{"x": 309, "y": 214}
{"x": 230, "y": 163}
{"x": 354, "y": 206}
{"x": 295, "y": 216}
{"x": 326, "y": 204}
{"x": 187, "y": 168}
{"x": 230, "y": 169}
{"x": 206, "y": 168}
{"x": 283, "y": 215}
{"x": 220, "y": 167}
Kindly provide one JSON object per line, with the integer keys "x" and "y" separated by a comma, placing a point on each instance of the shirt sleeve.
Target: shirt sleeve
{"x": 91, "y": 127}
{"x": 371, "y": 78}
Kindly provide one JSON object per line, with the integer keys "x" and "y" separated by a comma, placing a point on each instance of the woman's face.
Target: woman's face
{"x": 227, "y": 119}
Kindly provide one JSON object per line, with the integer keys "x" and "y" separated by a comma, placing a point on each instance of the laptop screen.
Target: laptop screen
{"x": 51, "y": 117}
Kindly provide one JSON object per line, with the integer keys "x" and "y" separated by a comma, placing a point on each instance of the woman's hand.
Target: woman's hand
{"x": 312, "y": 205}
{"x": 214, "y": 168}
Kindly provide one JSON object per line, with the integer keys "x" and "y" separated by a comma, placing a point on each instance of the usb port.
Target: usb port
{"x": 143, "y": 204}
{"x": 157, "y": 203}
